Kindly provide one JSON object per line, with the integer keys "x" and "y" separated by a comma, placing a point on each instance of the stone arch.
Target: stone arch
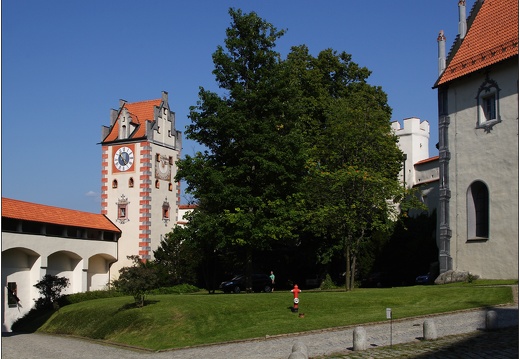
{"x": 98, "y": 273}
{"x": 70, "y": 265}
{"x": 23, "y": 267}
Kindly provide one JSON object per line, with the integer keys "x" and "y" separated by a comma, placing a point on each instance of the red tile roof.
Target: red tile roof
{"x": 431, "y": 159}
{"x": 187, "y": 206}
{"x": 12, "y": 208}
{"x": 491, "y": 38}
{"x": 140, "y": 112}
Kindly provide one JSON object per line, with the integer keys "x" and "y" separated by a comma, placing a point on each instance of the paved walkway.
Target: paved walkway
{"x": 460, "y": 331}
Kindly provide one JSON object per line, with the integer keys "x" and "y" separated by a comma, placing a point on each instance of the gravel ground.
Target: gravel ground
{"x": 319, "y": 343}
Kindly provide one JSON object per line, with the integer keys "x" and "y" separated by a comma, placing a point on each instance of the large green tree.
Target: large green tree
{"x": 253, "y": 164}
{"x": 353, "y": 157}
{"x": 302, "y": 141}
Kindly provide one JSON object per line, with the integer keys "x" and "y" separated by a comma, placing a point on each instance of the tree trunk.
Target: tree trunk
{"x": 347, "y": 269}
{"x": 249, "y": 269}
{"x": 353, "y": 272}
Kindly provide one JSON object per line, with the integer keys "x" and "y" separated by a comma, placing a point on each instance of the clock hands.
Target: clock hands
{"x": 124, "y": 158}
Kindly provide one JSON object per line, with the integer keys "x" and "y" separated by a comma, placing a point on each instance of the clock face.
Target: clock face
{"x": 162, "y": 168}
{"x": 124, "y": 159}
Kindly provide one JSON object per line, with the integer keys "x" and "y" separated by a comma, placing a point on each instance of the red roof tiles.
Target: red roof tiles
{"x": 140, "y": 112}
{"x": 28, "y": 211}
{"x": 491, "y": 38}
{"x": 431, "y": 159}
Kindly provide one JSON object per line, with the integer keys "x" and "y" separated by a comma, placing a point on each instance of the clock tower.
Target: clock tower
{"x": 140, "y": 149}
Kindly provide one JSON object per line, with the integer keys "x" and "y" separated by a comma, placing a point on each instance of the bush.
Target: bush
{"x": 136, "y": 281}
{"x": 50, "y": 287}
{"x": 177, "y": 289}
{"x": 328, "y": 283}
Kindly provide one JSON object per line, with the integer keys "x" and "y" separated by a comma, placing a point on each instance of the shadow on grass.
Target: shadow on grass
{"x": 32, "y": 321}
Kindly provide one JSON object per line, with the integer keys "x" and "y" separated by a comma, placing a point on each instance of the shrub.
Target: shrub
{"x": 328, "y": 283}
{"x": 177, "y": 289}
{"x": 50, "y": 287}
{"x": 136, "y": 281}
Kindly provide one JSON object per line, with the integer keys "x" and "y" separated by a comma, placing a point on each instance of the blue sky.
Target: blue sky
{"x": 66, "y": 63}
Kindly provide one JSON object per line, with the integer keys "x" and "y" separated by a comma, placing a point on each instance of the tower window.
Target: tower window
{"x": 122, "y": 212}
{"x": 114, "y": 184}
{"x": 122, "y": 209}
{"x": 489, "y": 107}
{"x": 131, "y": 182}
{"x": 166, "y": 211}
{"x": 488, "y": 113}
{"x": 157, "y": 184}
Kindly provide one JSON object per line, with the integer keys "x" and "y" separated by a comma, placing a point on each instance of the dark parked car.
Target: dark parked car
{"x": 423, "y": 279}
{"x": 261, "y": 283}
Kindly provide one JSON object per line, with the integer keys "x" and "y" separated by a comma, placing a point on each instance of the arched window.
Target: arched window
{"x": 114, "y": 184}
{"x": 131, "y": 182}
{"x": 157, "y": 184}
{"x": 170, "y": 187}
{"x": 478, "y": 211}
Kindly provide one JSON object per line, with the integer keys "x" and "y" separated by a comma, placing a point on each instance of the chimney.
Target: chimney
{"x": 462, "y": 19}
{"x": 441, "y": 41}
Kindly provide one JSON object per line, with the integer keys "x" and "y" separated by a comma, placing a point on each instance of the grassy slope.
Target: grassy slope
{"x": 170, "y": 321}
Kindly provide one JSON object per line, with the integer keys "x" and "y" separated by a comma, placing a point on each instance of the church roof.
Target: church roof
{"x": 27, "y": 211}
{"x": 492, "y": 37}
{"x": 140, "y": 113}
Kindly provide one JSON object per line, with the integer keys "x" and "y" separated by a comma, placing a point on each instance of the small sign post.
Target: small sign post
{"x": 389, "y": 316}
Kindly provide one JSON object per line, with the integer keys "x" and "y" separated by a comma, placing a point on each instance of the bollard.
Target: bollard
{"x": 299, "y": 350}
{"x": 491, "y": 320}
{"x": 429, "y": 330}
{"x": 298, "y": 355}
{"x": 360, "y": 339}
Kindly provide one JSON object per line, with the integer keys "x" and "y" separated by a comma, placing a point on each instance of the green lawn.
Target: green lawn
{"x": 171, "y": 321}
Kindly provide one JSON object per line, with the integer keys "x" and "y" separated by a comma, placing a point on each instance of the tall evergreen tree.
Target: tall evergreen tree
{"x": 245, "y": 179}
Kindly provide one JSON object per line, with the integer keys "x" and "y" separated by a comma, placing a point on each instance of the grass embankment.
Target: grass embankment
{"x": 171, "y": 321}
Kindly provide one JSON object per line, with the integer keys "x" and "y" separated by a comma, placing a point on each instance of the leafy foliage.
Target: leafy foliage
{"x": 136, "y": 280}
{"x": 299, "y": 149}
{"x": 50, "y": 288}
{"x": 175, "y": 261}
{"x": 244, "y": 182}
{"x": 353, "y": 159}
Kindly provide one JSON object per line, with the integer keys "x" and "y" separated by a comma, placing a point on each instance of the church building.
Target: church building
{"x": 478, "y": 142}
